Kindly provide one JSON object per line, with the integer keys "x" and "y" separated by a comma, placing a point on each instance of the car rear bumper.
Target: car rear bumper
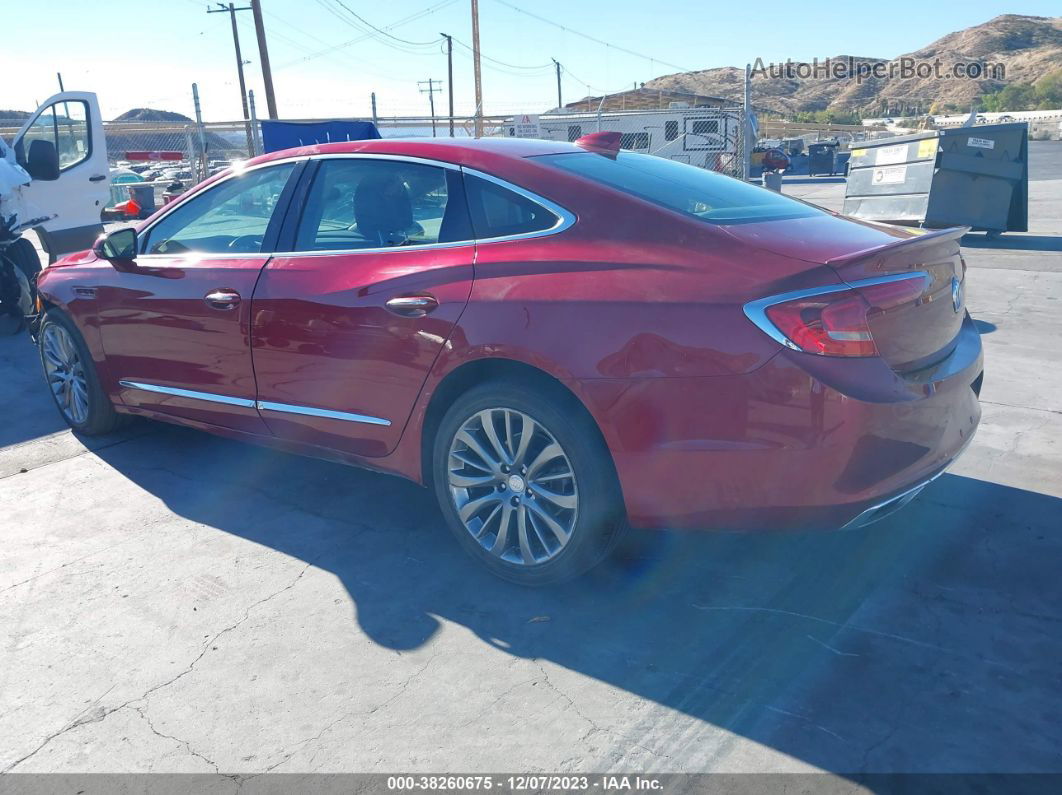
{"x": 802, "y": 442}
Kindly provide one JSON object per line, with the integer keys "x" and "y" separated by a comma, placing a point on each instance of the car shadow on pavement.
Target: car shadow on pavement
{"x": 1016, "y": 242}
{"x": 928, "y": 642}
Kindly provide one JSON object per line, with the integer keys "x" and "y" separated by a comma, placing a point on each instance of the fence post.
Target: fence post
{"x": 202, "y": 132}
{"x": 256, "y": 142}
{"x": 746, "y": 149}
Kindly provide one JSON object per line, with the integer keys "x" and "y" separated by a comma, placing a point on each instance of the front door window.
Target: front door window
{"x": 230, "y": 218}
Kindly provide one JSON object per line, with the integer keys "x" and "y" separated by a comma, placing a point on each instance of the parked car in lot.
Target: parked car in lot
{"x": 560, "y": 340}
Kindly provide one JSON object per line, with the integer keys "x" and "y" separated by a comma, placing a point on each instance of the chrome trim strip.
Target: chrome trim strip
{"x": 427, "y": 161}
{"x": 262, "y": 405}
{"x": 188, "y": 393}
{"x": 756, "y": 311}
{"x": 390, "y": 249}
{"x": 308, "y": 411}
{"x": 565, "y": 218}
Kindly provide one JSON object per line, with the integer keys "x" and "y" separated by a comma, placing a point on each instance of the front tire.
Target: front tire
{"x": 72, "y": 377}
{"x": 526, "y": 483}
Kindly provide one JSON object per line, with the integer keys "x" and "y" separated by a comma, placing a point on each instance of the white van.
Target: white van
{"x": 54, "y": 184}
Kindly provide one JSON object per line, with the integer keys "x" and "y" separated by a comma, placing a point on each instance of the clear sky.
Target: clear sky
{"x": 147, "y": 53}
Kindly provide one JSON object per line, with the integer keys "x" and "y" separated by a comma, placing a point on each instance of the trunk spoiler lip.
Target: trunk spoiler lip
{"x": 936, "y": 235}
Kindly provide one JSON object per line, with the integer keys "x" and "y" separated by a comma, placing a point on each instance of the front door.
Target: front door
{"x": 175, "y": 325}
{"x": 347, "y": 326}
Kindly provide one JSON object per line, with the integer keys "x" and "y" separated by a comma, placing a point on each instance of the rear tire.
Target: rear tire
{"x": 72, "y": 378}
{"x": 526, "y": 483}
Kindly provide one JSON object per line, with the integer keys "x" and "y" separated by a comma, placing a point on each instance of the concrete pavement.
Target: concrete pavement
{"x": 172, "y": 601}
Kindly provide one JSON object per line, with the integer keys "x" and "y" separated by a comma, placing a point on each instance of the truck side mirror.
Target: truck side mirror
{"x": 42, "y": 161}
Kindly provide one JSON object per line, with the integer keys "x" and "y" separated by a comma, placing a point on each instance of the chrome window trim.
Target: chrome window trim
{"x": 565, "y": 218}
{"x": 756, "y": 311}
{"x": 426, "y": 161}
{"x": 208, "y": 397}
{"x": 261, "y": 405}
{"x": 309, "y": 411}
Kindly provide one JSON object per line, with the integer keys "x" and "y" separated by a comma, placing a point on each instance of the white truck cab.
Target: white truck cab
{"x": 54, "y": 182}
{"x": 63, "y": 151}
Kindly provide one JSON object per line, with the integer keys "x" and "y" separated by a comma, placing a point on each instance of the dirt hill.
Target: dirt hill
{"x": 1027, "y": 47}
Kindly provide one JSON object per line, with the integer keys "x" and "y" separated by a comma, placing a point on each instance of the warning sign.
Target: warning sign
{"x": 526, "y": 126}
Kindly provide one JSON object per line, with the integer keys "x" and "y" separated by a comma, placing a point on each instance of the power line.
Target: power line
{"x": 503, "y": 63}
{"x": 381, "y": 30}
{"x": 588, "y": 37}
{"x": 314, "y": 54}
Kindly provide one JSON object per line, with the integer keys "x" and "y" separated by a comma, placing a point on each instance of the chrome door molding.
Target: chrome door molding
{"x": 261, "y": 405}
{"x": 208, "y": 397}
{"x": 328, "y": 414}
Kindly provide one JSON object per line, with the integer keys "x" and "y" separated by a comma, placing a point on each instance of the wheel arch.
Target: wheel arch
{"x": 479, "y": 371}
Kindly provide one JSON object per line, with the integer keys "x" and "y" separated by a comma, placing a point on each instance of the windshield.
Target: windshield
{"x": 693, "y": 191}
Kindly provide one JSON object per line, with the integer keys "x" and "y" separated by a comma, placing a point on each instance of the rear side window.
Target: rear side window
{"x": 499, "y": 212}
{"x": 362, "y": 203}
{"x": 693, "y": 191}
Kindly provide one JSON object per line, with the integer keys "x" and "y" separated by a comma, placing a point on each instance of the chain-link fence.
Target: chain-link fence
{"x": 163, "y": 152}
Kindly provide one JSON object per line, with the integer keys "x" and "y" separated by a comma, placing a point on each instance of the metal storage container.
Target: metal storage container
{"x": 968, "y": 176}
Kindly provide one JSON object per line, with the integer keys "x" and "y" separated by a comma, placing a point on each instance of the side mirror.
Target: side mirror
{"x": 120, "y": 245}
{"x": 42, "y": 161}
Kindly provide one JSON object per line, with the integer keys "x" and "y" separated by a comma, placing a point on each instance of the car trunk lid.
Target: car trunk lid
{"x": 913, "y": 323}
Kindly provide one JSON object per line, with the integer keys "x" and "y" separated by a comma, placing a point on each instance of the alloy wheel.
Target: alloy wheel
{"x": 513, "y": 486}
{"x": 65, "y": 373}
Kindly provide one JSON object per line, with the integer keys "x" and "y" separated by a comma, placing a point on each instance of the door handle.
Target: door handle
{"x": 412, "y": 305}
{"x": 222, "y": 299}
{"x": 97, "y": 177}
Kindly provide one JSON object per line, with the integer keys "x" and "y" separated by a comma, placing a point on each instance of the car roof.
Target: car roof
{"x": 462, "y": 151}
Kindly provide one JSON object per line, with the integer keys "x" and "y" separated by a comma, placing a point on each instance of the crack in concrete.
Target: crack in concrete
{"x": 187, "y": 746}
{"x": 102, "y": 713}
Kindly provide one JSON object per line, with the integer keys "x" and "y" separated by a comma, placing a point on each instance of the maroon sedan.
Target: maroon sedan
{"x": 560, "y": 340}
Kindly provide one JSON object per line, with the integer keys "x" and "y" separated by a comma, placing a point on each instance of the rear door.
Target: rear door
{"x": 175, "y": 324}
{"x": 73, "y": 203}
{"x": 348, "y": 324}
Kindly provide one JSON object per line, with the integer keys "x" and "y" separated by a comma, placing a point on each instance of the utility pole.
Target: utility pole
{"x": 475, "y": 69}
{"x": 430, "y": 91}
{"x": 450, "y": 76}
{"x": 231, "y": 9}
{"x": 263, "y": 56}
{"x": 560, "y": 102}
{"x": 60, "y": 76}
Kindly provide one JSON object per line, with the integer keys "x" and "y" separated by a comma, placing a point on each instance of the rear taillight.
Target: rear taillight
{"x": 835, "y": 321}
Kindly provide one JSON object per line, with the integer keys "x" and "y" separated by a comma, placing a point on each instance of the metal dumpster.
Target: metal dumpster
{"x": 820, "y": 157}
{"x": 967, "y": 176}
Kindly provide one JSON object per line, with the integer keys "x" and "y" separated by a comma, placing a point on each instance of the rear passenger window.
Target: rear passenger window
{"x": 366, "y": 203}
{"x": 499, "y": 212}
